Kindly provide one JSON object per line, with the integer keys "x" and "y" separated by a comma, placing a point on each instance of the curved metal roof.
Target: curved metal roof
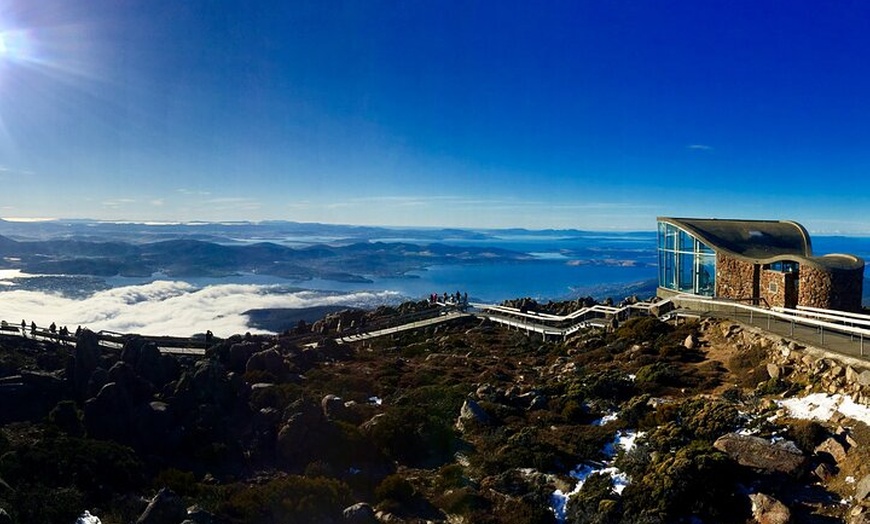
{"x": 761, "y": 241}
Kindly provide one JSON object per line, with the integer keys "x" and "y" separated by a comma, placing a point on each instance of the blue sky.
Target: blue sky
{"x": 583, "y": 114}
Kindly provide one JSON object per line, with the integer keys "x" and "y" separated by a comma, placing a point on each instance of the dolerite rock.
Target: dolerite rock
{"x": 211, "y": 384}
{"x": 269, "y": 361}
{"x": 756, "y": 452}
{"x": 165, "y": 508}
{"x": 332, "y": 407}
{"x": 690, "y": 342}
{"x": 197, "y": 515}
{"x": 99, "y": 378}
{"x": 301, "y": 437}
{"x": 834, "y": 448}
{"x": 153, "y": 425}
{"x": 84, "y": 518}
{"x": 139, "y": 389}
{"x": 86, "y": 359}
{"x": 145, "y": 358}
{"x": 108, "y": 415}
{"x": 768, "y": 510}
{"x": 471, "y": 414}
{"x": 240, "y": 352}
{"x": 360, "y": 513}
{"x": 862, "y": 490}
{"x": 773, "y": 371}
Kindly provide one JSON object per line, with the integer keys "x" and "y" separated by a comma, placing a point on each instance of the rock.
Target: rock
{"x": 239, "y": 354}
{"x": 862, "y": 489}
{"x": 758, "y": 453}
{"x": 269, "y": 361}
{"x": 864, "y": 377}
{"x": 360, "y": 513}
{"x": 301, "y": 436}
{"x": 86, "y": 360}
{"x": 768, "y": 510}
{"x": 690, "y": 342}
{"x": 165, "y": 508}
{"x": 197, "y": 515}
{"x": 6, "y": 519}
{"x": 107, "y": 416}
{"x": 471, "y": 414}
{"x": 485, "y": 392}
{"x": 773, "y": 371}
{"x": 84, "y": 518}
{"x": 824, "y": 472}
{"x": 860, "y": 518}
{"x": 834, "y": 448}
{"x": 333, "y": 407}
{"x": 851, "y": 375}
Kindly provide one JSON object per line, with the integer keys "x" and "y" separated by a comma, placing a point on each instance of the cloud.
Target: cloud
{"x": 700, "y": 147}
{"x": 172, "y": 308}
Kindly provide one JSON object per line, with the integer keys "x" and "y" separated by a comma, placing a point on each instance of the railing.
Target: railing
{"x": 822, "y": 322}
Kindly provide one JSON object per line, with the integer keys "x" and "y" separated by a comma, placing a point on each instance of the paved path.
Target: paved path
{"x": 854, "y": 346}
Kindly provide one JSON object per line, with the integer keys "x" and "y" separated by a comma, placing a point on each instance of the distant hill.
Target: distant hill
{"x": 181, "y": 258}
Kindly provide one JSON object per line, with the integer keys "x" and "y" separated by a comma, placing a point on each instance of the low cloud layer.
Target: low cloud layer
{"x": 171, "y": 308}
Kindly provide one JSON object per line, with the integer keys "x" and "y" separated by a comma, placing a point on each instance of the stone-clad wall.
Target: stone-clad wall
{"x": 784, "y": 291}
{"x": 813, "y": 286}
{"x": 772, "y": 288}
{"x": 733, "y": 277}
{"x": 831, "y": 289}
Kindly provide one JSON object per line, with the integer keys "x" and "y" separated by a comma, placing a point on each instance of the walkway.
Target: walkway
{"x": 447, "y": 316}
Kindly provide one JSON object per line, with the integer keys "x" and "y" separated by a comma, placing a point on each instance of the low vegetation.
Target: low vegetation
{"x": 466, "y": 422}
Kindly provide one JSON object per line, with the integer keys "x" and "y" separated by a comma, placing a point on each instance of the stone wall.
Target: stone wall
{"x": 831, "y": 289}
{"x": 734, "y": 278}
{"x": 778, "y": 288}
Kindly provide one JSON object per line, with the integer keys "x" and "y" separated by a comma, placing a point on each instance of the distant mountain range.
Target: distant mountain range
{"x": 182, "y": 258}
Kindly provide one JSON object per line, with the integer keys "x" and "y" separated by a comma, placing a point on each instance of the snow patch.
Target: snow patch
{"x": 625, "y": 440}
{"x": 606, "y": 419}
{"x": 820, "y": 406}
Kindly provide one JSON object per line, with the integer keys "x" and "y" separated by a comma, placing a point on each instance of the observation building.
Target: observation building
{"x": 761, "y": 262}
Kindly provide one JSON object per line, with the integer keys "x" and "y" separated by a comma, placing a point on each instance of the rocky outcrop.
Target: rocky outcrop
{"x": 165, "y": 508}
{"x": 360, "y": 513}
{"x": 471, "y": 415}
{"x": 86, "y": 359}
{"x": 768, "y": 510}
{"x": 758, "y": 453}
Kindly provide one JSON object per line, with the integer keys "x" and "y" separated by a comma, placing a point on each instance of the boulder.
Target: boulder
{"x": 84, "y": 518}
{"x": 690, "y": 342}
{"x": 165, "y": 508}
{"x": 824, "y": 472}
{"x": 86, "y": 358}
{"x": 758, "y": 453}
{"x": 240, "y": 352}
{"x": 107, "y": 416}
{"x": 332, "y": 407}
{"x": 773, "y": 371}
{"x": 862, "y": 489}
{"x": 471, "y": 414}
{"x": 197, "y": 515}
{"x": 768, "y": 510}
{"x": 269, "y": 361}
{"x": 834, "y": 448}
{"x": 864, "y": 377}
{"x": 360, "y": 513}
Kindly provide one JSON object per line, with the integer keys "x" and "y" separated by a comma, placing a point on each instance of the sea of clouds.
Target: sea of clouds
{"x": 172, "y": 307}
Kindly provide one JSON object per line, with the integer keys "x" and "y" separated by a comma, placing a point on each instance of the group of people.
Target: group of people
{"x": 63, "y": 332}
{"x": 456, "y": 299}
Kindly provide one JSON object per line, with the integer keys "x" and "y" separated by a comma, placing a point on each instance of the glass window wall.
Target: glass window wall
{"x": 685, "y": 264}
